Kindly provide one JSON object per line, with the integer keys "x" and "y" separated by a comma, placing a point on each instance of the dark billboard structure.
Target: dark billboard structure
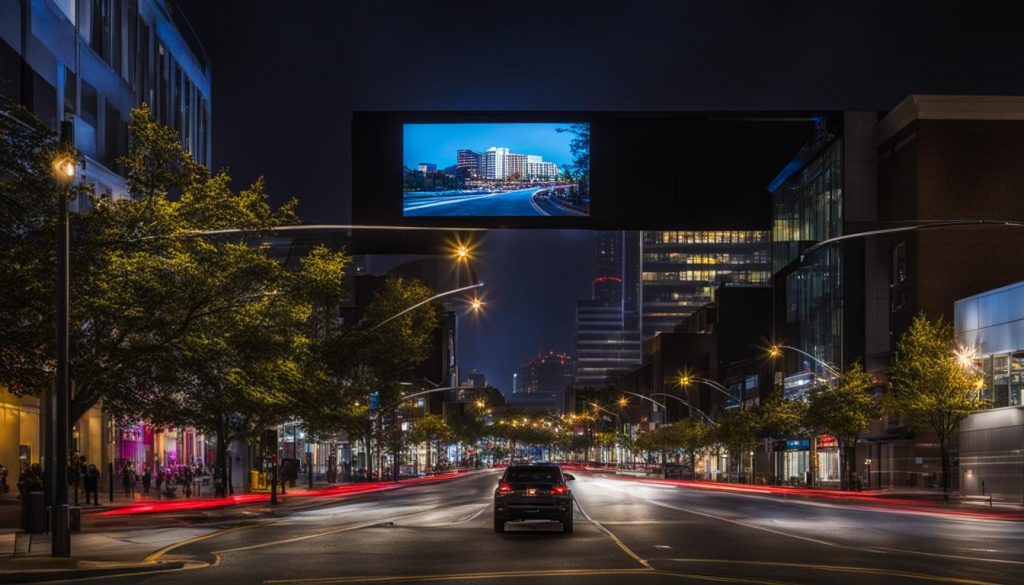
{"x": 593, "y": 170}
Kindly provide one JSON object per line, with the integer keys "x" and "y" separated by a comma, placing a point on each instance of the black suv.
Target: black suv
{"x": 533, "y": 492}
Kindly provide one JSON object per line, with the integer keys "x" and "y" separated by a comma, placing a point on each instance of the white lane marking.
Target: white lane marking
{"x": 876, "y": 550}
{"x": 534, "y": 204}
{"x": 450, "y": 201}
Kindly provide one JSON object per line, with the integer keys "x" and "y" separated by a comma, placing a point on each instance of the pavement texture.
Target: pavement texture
{"x": 627, "y": 531}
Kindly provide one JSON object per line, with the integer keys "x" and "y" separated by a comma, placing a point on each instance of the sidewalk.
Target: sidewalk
{"x": 123, "y": 551}
{"x": 908, "y": 501}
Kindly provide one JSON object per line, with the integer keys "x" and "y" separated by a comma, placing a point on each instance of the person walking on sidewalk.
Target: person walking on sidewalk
{"x": 91, "y": 481}
{"x": 4, "y": 487}
{"x": 147, "y": 479}
{"x": 127, "y": 478}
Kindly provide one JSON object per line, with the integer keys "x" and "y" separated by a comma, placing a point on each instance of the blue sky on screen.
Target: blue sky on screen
{"x": 437, "y": 143}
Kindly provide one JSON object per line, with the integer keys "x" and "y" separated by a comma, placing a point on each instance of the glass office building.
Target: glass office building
{"x": 807, "y": 207}
{"x": 991, "y": 326}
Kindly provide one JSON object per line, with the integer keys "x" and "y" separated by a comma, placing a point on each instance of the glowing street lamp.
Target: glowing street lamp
{"x": 966, "y": 355}
{"x": 776, "y": 351}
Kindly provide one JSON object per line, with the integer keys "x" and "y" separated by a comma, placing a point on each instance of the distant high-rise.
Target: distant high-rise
{"x": 546, "y": 374}
{"x": 607, "y": 331}
{"x": 476, "y": 379}
{"x": 682, "y": 269}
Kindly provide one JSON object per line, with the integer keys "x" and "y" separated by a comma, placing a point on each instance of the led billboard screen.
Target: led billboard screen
{"x": 520, "y": 169}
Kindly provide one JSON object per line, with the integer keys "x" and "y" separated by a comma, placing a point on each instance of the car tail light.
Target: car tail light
{"x": 559, "y": 490}
{"x": 504, "y": 488}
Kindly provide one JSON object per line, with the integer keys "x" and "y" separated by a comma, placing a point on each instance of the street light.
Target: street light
{"x": 648, "y": 399}
{"x": 687, "y": 404}
{"x": 433, "y": 298}
{"x": 686, "y": 379}
{"x": 776, "y": 351}
{"x": 57, "y": 458}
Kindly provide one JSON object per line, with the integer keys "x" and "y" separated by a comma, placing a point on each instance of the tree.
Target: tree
{"x": 929, "y": 389}
{"x": 166, "y": 326}
{"x": 579, "y": 146}
{"x": 844, "y": 410}
{"x": 737, "y": 431}
{"x": 694, "y": 438}
{"x": 373, "y": 356}
{"x": 428, "y": 429}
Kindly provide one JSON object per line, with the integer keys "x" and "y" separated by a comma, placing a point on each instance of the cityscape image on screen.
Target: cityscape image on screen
{"x": 496, "y": 169}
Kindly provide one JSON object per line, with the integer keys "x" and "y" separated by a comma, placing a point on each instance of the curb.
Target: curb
{"x": 43, "y": 575}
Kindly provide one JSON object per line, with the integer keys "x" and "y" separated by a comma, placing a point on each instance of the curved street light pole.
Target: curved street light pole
{"x": 648, "y": 399}
{"x": 309, "y": 227}
{"x": 906, "y": 228}
{"x": 827, "y": 366}
{"x": 421, "y": 303}
{"x": 688, "y": 405}
{"x": 709, "y": 383}
{"x": 418, "y": 394}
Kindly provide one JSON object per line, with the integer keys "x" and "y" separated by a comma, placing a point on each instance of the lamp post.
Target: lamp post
{"x": 776, "y": 351}
{"x": 688, "y": 405}
{"x": 648, "y": 399}
{"x": 57, "y": 458}
{"x": 686, "y": 379}
{"x": 476, "y": 303}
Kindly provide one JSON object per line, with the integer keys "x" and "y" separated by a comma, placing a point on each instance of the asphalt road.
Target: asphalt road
{"x": 626, "y": 532}
{"x": 509, "y": 204}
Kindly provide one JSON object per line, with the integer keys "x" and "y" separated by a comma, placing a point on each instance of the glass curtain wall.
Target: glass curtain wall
{"x": 808, "y": 208}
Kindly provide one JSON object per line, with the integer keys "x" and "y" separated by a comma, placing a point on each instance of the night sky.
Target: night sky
{"x": 288, "y": 75}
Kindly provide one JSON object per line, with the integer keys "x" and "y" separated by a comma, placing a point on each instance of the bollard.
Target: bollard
{"x": 60, "y": 533}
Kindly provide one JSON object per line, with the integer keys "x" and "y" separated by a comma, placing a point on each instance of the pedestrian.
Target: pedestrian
{"x": 159, "y": 480}
{"x": 127, "y": 478}
{"x": 186, "y": 482}
{"x": 91, "y": 481}
{"x": 147, "y": 478}
{"x": 4, "y": 488}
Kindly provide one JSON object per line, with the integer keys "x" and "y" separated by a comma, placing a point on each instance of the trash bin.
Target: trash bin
{"x": 33, "y": 512}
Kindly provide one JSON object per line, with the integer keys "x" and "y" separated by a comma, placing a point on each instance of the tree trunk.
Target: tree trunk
{"x": 396, "y": 464}
{"x": 369, "y": 459}
{"x": 220, "y": 470}
{"x": 943, "y": 452}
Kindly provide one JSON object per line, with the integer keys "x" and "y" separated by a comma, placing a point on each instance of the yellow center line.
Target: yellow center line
{"x": 163, "y": 551}
{"x": 614, "y": 538}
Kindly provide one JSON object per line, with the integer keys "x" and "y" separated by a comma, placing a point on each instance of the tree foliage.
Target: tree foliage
{"x": 167, "y": 325}
{"x": 930, "y": 390}
{"x": 845, "y": 410}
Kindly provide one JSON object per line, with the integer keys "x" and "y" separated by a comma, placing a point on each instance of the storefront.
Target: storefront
{"x": 826, "y": 453}
{"x": 792, "y": 461}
